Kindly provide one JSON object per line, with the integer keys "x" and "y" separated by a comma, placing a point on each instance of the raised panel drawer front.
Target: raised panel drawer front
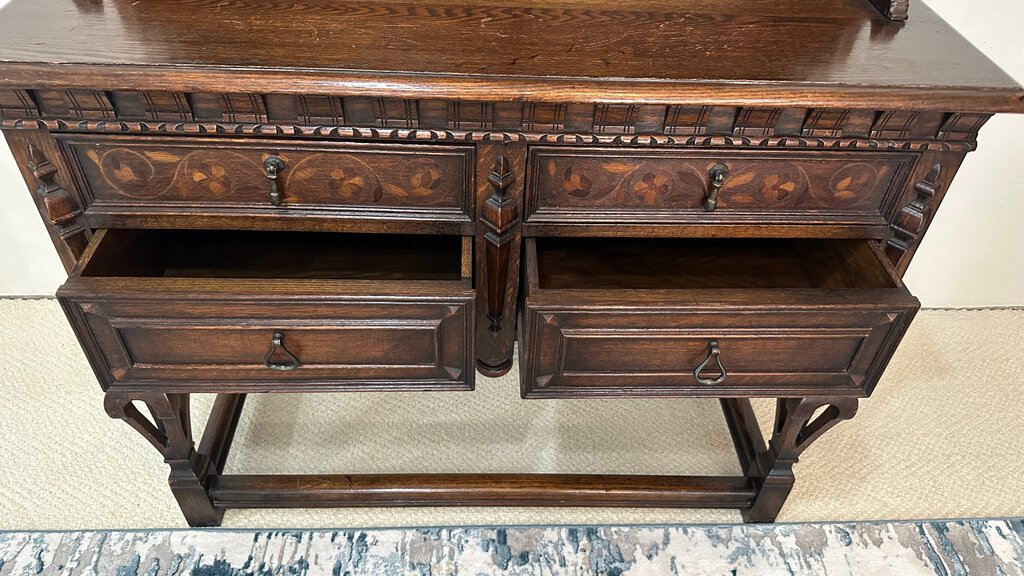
{"x": 283, "y": 179}
{"x": 708, "y": 317}
{"x": 261, "y": 311}
{"x": 572, "y": 185}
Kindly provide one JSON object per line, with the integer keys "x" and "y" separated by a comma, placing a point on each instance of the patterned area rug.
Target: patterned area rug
{"x": 988, "y": 547}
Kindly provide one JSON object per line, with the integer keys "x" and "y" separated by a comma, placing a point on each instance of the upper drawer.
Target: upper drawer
{"x": 601, "y": 186}
{"x": 210, "y": 177}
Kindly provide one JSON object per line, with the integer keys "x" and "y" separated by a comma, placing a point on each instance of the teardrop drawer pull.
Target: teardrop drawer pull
{"x": 277, "y": 343}
{"x": 714, "y": 352}
{"x": 717, "y": 176}
{"x": 273, "y": 166}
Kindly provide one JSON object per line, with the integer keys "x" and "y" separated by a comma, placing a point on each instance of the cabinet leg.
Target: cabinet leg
{"x": 170, "y": 432}
{"x": 798, "y": 423}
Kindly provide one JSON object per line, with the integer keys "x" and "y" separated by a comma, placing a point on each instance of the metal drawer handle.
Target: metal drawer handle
{"x": 277, "y": 341}
{"x": 717, "y": 174}
{"x": 714, "y": 351}
{"x": 273, "y": 166}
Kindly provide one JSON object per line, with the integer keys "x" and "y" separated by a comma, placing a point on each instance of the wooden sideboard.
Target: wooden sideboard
{"x": 713, "y": 198}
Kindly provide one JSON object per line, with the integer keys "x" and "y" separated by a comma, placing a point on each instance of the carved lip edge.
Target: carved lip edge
{"x": 551, "y": 89}
{"x": 429, "y": 135}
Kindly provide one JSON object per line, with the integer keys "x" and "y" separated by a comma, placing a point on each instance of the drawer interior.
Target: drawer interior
{"x": 278, "y": 255}
{"x": 694, "y": 263}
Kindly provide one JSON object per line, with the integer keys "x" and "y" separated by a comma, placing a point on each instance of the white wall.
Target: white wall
{"x": 973, "y": 255}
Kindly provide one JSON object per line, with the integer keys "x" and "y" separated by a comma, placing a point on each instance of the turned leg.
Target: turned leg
{"x": 500, "y": 169}
{"x": 796, "y": 427}
{"x": 170, "y": 432}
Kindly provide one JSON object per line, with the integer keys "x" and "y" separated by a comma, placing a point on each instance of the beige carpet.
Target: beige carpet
{"x": 941, "y": 438}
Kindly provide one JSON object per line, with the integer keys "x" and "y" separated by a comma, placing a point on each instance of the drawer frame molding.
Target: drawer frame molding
{"x": 204, "y": 491}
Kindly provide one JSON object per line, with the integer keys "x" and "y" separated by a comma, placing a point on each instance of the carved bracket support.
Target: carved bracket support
{"x": 798, "y": 423}
{"x": 912, "y": 220}
{"x": 170, "y": 432}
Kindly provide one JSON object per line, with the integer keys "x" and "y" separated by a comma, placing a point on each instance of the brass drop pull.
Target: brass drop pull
{"x": 276, "y": 343}
{"x": 714, "y": 352}
{"x": 273, "y": 166}
{"x": 717, "y": 174}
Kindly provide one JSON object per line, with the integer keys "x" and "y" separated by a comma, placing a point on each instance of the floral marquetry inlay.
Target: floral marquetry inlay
{"x": 681, "y": 180}
{"x": 128, "y": 172}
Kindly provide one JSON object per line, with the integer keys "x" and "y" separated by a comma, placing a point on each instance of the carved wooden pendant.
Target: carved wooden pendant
{"x": 58, "y": 206}
{"x": 910, "y": 223}
{"x": 499, "y": 216}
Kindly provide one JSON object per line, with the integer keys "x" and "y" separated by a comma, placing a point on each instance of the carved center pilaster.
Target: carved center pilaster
{"x": 500, "y": 216}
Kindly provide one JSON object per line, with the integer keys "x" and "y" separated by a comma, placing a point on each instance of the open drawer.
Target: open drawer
{"x": 708, "y": 317}
{"x": 236, "y": 311}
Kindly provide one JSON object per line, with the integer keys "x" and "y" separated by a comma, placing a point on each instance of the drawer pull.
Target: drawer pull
{"x": 273, "y": 166}
{"x": 277, "y": 341}
{"x": 714, "y": 351}
{"x": 718, "y": 174}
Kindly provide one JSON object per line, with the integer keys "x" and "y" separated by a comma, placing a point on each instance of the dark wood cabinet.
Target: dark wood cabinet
{"x": 652, "y": 199}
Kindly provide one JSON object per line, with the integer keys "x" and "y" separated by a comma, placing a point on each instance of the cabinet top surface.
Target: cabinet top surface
{"x": 714, "y": 51}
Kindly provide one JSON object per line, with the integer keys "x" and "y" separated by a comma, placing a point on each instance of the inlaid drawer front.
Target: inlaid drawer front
{"x": 272, "y": 176}
{"x": 174, "y": 322}
{"x": 597, "y": 184}
{"x": 822, "y": 321}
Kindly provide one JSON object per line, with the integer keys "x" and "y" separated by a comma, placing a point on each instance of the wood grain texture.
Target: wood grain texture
{"x": 566, "y": 51}
{"x": 275, "y": 491}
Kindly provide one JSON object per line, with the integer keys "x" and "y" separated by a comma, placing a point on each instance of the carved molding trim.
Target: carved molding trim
{"x": 425, "y": 135}
{"x": 500, "y": 215}
{"x": 58, "y": 206}
{"x": 910, "y": 222}
{"x": 125, "y": 111}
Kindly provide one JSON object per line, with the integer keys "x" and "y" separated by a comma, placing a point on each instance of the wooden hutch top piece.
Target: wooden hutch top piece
{"x": 814, "y": 53}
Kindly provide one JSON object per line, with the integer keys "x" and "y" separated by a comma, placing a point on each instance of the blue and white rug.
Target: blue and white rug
{"x": 984, "y": 547}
